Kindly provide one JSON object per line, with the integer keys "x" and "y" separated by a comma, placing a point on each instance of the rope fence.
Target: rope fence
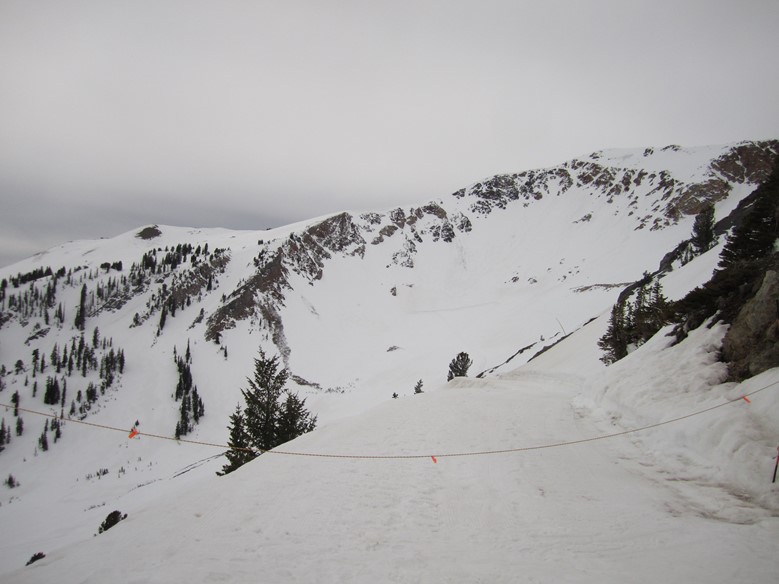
{"x": 744, "y": 397}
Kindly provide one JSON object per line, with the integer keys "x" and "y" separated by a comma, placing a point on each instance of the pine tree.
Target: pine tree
{"x": 703, "y": 229}
{"x": 659, "y": 308}
{"x": 197, "y": 406}
{"x": 52, "y": 393}
{"x": 43, "y": 441}
{"x": 754, "y": 238}
{"x": 459, "y": 366}
{"x": 294, "y": 420}
{"x": 81, "y": 313}
{"x": 418, "y": 387}
{"x": 614, "y": 343}
{"x": 240, "y": 448}
{"x": 163, "y": 318}
{"x": 631, "y": 325}
{"x": 266, "y": 421}
{"x": 262, "y": 401}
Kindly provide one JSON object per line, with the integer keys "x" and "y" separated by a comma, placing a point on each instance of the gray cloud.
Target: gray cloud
{"x": 248, "y": 114}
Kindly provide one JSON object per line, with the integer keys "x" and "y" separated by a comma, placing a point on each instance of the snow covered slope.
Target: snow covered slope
{"x": 605, "y": 511}
{"x": 358, "y": 307}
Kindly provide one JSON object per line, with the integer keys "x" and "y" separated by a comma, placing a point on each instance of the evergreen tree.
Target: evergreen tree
{"x": 631, "y": 325}
{"x": 266, "y": 421}
{"x": 240, "y": 448}
{"x": 703, "y": 229}
{"x": 197, "y": 406}
{"x": 459, "y": 366}
{"x": 659, "y": 310}
{"x": 43, "y": 441}
{"x": 294, "y": 419}
{"x": 19, "y": 427}
{"x": 184, "y": 425}
{"x": 163, "y": 318}
{"x": 262, "y": 401}
{"x": 754, "y": 238}
{"x": 418, "y": 387}
{"x": 81, "y": 312}
{"x": 56, "y": 426}
{"x": 52, "y": 393}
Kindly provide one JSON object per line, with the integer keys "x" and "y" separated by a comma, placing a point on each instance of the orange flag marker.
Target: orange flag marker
{"x": 746, "y": 399}
{"x": 133, "y": 433}
{"x": 434, "y": 460}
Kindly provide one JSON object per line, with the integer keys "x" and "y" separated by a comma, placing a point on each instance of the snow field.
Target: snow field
{"x": 685, "y": 502}
{"x": 585, "y": 513}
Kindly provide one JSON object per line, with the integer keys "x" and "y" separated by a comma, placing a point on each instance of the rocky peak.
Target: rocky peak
{"x": 622, "y": 178}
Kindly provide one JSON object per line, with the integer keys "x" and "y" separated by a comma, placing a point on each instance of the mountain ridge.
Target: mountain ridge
{"x": 359, "y": 306}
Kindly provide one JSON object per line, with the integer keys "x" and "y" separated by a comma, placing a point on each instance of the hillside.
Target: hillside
{"x": 361, "y": 306}
{"x": 655, "y": 504}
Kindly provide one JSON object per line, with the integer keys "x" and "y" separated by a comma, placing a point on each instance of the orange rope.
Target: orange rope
{"x": 402, "y": 456}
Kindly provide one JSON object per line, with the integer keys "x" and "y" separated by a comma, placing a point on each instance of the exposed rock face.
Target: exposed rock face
{"x": 751, "y": 345}
{"x": 749, "y": 162}
{"x": 263, "y": 293}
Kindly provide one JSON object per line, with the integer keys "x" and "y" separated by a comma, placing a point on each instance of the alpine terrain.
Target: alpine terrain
{"x": 614, "y": 417}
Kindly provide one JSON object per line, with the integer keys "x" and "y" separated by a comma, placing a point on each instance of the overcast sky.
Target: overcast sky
{"x": 250, "y": 114}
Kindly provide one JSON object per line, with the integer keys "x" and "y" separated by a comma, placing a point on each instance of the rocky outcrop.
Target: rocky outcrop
{"x": 751, "y": 345}
{"x": 263, "y": 293}
{"x": 750, "y": 162}
{"x": 630, "y": 188}
{"x": 747, "y": 162}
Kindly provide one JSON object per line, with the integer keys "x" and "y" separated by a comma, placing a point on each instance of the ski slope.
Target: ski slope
{"x": 612, "y": 510}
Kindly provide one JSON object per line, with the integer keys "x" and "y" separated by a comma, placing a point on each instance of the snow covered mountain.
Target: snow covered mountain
{"x": 361, "y": 306}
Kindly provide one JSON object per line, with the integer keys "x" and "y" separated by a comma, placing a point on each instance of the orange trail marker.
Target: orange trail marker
{"x": 434, "y": 460}
{"x": 133, "y": 433}
{"x": 746, "y": 399}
